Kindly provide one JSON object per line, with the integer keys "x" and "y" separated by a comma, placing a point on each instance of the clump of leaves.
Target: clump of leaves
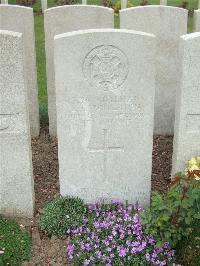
{"x": 172, "y": 215}
{"x": 117, "y": 6}
{"x": 144, "y": 3}
{"x": 62, "y": 213}
{"x": 107, "y": 3}
{"x": 26, "y": 2}
{"x": 65, "y": 2}
{"x": 15, "y": 245}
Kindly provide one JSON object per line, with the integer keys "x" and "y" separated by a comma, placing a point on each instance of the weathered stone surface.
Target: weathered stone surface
{"x": 187, "y": 122}
{"x": 197, "y": 20}
{"x": 64, "y": 19}
{"x": 16, "y": 183}
{"x": 105, "y": 113}
{"x": 168, "y": 24}
{"x": 20, "y": 19}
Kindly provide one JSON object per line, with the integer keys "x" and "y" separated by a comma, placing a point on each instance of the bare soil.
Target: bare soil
{"x": 48, "y": 251}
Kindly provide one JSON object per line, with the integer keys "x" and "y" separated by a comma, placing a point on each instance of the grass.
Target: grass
{"x": 15, "y": 245}
{"x": 40, "y": 50}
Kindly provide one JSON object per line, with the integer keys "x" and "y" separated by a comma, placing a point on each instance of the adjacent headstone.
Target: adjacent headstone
{"x": 44, "y": 5}
{"x": 105, "y": 109}
{"x": 64, "y": 19}
{"x": 5, "y": 2}
{"x": 187, "y": 123}
{"x": 197, "y": 20}
{"x": 168, "y": 24}
{"x": 84, "y": 2}
{"x": 16, "y": 189}
{"x": 20, "y": 19}
{"x": 123, "y": 4}
{"x": 163, "y": 2}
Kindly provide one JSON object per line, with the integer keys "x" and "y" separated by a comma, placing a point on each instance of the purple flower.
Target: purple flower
{"x": 109, "y": 249}
{"x": 122, "y": 251}
{"x": 166, "y": 245}
{"x": 70, "y": 250}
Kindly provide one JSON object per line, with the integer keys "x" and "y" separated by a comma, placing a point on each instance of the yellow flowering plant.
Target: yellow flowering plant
{"x": 171, "y": 216}
{"x": 194, "y": 167}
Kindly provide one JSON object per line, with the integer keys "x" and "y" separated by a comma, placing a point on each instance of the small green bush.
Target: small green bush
{"x": 61, "y": 214}
{"x": 15, "y": 245}
{"x": 26, "y": 2}
{"x": 65, "y": 2}
{"x": 172, "y": 215}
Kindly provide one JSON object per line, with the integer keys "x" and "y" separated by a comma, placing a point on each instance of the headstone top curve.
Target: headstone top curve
{"x": 131, "y": 9}
{"x": 17, "y": 7}
{"x": 71, "y": 7}
{"x": 124, "y": 31}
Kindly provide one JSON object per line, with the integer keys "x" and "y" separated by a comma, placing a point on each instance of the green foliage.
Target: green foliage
{"x": 65, "y": 2}
{"x": 26, "y": 2}
{"x": 61, "y": 214}
{"x": 117, "y": 6}
{"x": 188, "y": 249}
{"x": 107, "y": 3}
{"x": 172, "y": 215}
{"x": 15, "y": 245}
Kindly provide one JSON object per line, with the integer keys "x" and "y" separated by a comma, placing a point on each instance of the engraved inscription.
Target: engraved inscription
{"x": 105, "y": 149}
{"x": 193, "y": 122}
{"x": 105, "y": 108}
{"x": 106, "y": 67}
{"x": 7, "y": 122}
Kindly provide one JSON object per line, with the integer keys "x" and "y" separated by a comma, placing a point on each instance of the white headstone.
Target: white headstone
{"x": 123, "y": 4}
{"x": 168, "y": 24}
{"x": 64, "y": 19}
{"x": 197, "y": 20}
{"x": 20, "y": 19}
{"x": 44, "y": 5}
{"x": 5, "y": 2}
{"x": 163, "y": 2}
{"x": 16, "y": 189}
{"x": 187, "y": 123}
{"x": 105, "y": 113}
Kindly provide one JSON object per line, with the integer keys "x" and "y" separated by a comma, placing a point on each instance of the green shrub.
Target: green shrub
{"x": 65, "y": 2}
{"x": 107, "y": 3}
{"x": 172, "y": 215}
{"x": 62, "y": 213}
{"x": 117, "y": 6}
{"x": 15, "y": 245}
{"x": 26, "y": 2}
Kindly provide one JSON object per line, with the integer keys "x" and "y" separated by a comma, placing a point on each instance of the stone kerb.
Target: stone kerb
{"x": 16, "y": 181}
{"x": 105, "y": 113}
{"x": 187, "y": 122}
{"x": 168, "y": 24}
{"x": 63, "y": 19}
{"x": 20, "y": 19}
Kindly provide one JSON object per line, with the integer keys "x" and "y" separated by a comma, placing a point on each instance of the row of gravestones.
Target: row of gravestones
{"x": 105, "y": 84}
{"x": 167, "y": 23}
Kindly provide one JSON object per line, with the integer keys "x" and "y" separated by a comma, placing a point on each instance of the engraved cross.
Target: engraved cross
{"x": 105, "y": 150}
{"x": 5, "y": 120}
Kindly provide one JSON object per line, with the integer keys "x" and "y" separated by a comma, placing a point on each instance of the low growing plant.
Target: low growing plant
{"x": 62, "y": 213}
{"x": 15, "y": 245}
{"x": 172, "y": 215}
{"x": 117, "y": 6}
{"x": 112, "y": 234}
